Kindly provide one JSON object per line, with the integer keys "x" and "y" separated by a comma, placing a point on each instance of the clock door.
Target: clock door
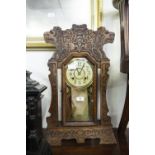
{"x": 79, "y": 93}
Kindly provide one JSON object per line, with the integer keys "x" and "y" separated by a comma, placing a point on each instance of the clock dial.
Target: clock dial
{"x": 79, "y": 73}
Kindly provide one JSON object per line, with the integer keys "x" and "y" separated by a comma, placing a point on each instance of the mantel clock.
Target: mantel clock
{"x": 78, "y": 82}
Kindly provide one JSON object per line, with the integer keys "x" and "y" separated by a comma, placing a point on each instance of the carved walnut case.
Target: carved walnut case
{"x": 79, "y": 41}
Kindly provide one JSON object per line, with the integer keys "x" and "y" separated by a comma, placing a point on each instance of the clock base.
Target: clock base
{"x": 55, "y": 135}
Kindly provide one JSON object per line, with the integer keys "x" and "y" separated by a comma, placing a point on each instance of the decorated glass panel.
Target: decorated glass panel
{"x": 79, "y": 80}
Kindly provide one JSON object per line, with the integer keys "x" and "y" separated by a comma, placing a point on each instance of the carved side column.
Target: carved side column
{"x": 104, "y": 77}
{"x": 54, "y": 100}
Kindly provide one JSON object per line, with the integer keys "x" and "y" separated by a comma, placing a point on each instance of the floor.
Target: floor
{"x": 91, "y": 147}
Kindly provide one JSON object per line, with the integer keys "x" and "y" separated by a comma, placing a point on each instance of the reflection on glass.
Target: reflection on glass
{"x": 42, "y": 15}
{"x": 79, "y": 79}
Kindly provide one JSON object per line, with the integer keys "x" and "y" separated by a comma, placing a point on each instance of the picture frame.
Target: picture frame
{"x": 37, "y": 23}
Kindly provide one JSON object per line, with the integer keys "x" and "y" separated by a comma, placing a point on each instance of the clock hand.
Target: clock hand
{"x": 78, "y": 71}
{"x": 82, "y": 68}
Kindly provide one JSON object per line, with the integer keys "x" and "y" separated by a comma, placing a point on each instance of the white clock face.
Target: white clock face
{"x": 79, "y": 73}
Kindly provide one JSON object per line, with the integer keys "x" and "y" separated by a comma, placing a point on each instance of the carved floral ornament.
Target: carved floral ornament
{"x": 79, "y": 38}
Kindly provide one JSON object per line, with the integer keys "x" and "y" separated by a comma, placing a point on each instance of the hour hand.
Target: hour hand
{"x": 78, "y": 71}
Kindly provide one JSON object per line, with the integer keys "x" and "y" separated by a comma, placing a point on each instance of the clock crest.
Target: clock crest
{"x": 78, "y": 81}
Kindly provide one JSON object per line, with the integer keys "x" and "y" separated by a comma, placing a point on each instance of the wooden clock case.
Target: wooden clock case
{"x": 79, "y": 41}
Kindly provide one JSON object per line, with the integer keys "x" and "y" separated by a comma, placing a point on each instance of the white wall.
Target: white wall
{"x": 116, "y": 89}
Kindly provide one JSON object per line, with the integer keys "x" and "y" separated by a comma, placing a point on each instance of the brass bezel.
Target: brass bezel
{"x": 78, "y": 87}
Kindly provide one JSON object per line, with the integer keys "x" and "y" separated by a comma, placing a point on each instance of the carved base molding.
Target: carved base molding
{"x": 55, "y": 135}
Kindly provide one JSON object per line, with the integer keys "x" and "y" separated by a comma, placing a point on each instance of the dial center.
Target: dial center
{"x": 79, "y": 75}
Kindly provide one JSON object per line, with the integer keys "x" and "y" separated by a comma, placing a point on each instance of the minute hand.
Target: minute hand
{"x": 82, "y": 68}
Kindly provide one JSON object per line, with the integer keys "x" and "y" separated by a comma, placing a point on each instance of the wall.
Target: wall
{"x": 116, "y": 89}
